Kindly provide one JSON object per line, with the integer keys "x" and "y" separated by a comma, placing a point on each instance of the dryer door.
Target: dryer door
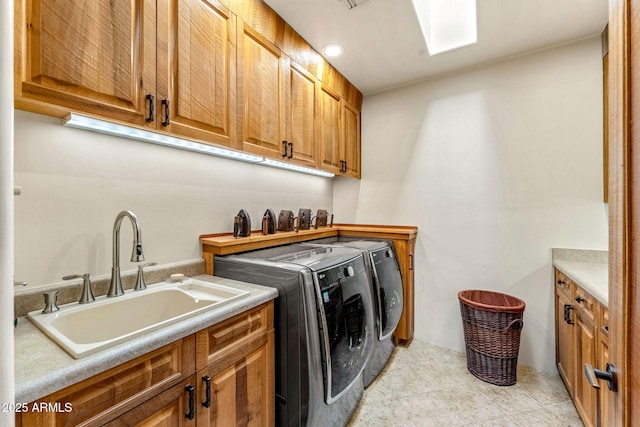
{"x": 346, "y": 319}
{"x": 388, "y": 284}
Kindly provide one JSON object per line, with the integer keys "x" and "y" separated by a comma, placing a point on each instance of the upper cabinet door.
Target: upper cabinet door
{"x": 329, "y": 130}
{"x": 92, "y": 56}
{"x": 351, "y": 140}
{"x": 302, "y": 107}
{"x": 196, "y": 70}
{"x": 261, "y": 89}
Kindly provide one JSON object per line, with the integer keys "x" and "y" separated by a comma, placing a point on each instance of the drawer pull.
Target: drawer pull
{"x": 580, "y": 299}
{"x": 207, "y": 401}
{"x": 191, "y": 413}
{"x": 561, "y": 282}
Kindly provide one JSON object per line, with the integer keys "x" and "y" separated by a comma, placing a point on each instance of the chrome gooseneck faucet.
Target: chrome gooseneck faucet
{"x": 115, "y": 288}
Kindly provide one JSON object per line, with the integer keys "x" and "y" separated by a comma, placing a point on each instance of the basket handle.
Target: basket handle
{"x": 511, "y": 324}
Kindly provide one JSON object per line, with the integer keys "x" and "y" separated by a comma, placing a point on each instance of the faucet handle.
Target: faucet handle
{"x": 50, "y": 302}
{"x": 140, "y": 285}
{"x": 87, "y": 294}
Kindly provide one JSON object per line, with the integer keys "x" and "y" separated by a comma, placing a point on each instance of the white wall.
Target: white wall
{"x": 75, "y": 182}
{"x": 496, "y": 166}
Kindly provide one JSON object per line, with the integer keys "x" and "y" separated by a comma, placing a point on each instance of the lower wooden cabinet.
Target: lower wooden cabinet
{"x": 173, "y": 407}
{"x": 580, "y": 339}
{"x": 603, "y": 358}
{"x": 565, "y": 351}
{"x": 585, "y": 396}
{"x": 222, "y": 375}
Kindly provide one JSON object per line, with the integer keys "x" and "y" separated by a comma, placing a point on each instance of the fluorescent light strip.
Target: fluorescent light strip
{"x": 101, "y": 126}
{"x": 96, "y": 125}
{"x": 289, "y": 166}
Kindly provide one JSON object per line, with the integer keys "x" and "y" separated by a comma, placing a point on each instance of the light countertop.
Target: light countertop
{"x": 587, "y": 268}
{"x": 42, "y": 367}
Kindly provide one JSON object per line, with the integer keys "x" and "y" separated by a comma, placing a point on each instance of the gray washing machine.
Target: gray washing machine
{"x": 324, "y": 327}
{"x": 386, "y": 282}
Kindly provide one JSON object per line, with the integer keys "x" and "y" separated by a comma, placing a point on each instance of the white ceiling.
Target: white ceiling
{"x": 384, "y": 48}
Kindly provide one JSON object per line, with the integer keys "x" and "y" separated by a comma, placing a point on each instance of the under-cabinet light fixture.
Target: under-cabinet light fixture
{"x": 289, "y": 166}
{"x": 101, "y": 126}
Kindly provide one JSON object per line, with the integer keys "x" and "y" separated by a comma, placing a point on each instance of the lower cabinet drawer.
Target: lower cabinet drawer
{"x": 102, "y": 398}
{"x": 229, "y": 336}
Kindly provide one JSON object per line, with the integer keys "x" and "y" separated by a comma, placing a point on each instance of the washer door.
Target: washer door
{"x": 388, "y": 284}
{"x": 346, "y": 321}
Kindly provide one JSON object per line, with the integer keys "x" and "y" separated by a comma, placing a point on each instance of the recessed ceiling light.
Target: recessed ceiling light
{"x": 332, "y": 50}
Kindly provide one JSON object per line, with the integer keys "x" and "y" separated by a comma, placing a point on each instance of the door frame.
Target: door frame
{"x": 624, "y": 209}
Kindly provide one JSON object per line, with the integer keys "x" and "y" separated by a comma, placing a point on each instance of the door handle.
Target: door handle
{"x": 167, "y": 113}
{"x": 567, "y": 314}
{"x": 150, "y": 118}
{"x": 609, "y": 375}
{"x": 207, "y": 401}
{"x": 191, "y": 413}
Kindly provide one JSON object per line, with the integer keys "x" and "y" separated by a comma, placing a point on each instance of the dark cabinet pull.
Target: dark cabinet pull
{"x": 191, "y": 413}
{"x": 343, "y": 166}
{"x": 166, "y": 121}
{"x": 567, "y": 314}
{"x": 561, "y": 282}
{"x": 609, "y": 375}
{"x": 410, "y": 262}
{"x": 207, "y": 401}
{"x": 290, "y": 150}
{"x": 285, "y": 145}
{"x": 580, "y": 299}
{"x": 150, "y": 118}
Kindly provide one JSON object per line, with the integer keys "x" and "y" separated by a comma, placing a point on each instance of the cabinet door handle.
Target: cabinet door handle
{"x": 561, "y": 282}
{"x": 166, "y": 121}
{"x": 191, "y": 413}
{"x": 580, "y": 299}
{"x": 150, "y": 118}
{"x": 609, "y": 375}
{"x": 410, "y": 262}
{"x": 567, "y": 314}
{"x": 285, "y": 146}
{"x": 207, "y": 401}
{"x": 290, "y": 150}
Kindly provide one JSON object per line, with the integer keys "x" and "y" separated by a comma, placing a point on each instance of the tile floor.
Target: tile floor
{"x": 425, "y": 385}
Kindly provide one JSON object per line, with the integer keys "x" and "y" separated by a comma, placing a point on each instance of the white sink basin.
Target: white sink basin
{"x": 87, "y": 328}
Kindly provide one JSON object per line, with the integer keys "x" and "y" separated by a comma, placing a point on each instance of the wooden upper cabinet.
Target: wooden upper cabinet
{"x": 196, "y": 70}
{"x": 329, "y": 130}
{"x": 351, "y": 139}
{"x": 226, "y": 72}
{"x": 339, "y": 141}
{"x": 98, "y": 57}
{"x": 262, "y": 112}
{"x": 301, "y": 127}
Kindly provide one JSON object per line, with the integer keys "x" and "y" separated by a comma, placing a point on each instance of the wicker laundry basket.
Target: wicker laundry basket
{"x": 492, "y": 324}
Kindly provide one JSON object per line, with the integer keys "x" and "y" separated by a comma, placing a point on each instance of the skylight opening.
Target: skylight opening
{"x": 447, "y": 24}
